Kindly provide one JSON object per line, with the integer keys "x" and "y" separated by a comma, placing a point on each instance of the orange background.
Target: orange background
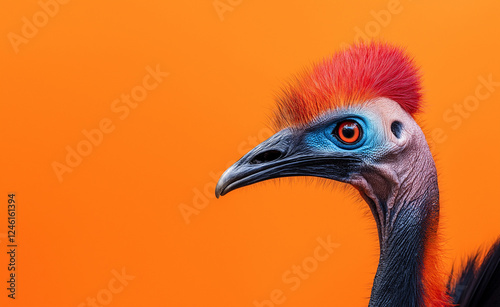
{"x": 119, "y": 208}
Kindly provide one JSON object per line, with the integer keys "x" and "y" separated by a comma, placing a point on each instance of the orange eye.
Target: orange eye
{"x": 349, "y": 132}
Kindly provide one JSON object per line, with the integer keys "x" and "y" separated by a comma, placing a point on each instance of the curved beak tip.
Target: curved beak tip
{"x": 218, "y": 192}
{"x": 220, "y": 189}
{"x": 245, "y": 172}
{"x": 227, "y": 180}
{"x": 222, "y": 184}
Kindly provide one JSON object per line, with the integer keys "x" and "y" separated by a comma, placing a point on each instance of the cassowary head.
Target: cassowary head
{"x": 348, "y": 119}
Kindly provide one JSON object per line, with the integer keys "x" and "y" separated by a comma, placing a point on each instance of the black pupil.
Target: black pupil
{"x": 348, "y": 130}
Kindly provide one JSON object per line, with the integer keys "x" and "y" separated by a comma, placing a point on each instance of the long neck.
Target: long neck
{"x": 403, "y": 276}
{"x": 408, "y": 272}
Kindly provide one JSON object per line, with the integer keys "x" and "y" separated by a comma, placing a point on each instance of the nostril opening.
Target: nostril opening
{"x": 266, "y": 156}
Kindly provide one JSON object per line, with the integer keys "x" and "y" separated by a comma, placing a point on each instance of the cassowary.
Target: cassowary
{"x": 350, "y": 119}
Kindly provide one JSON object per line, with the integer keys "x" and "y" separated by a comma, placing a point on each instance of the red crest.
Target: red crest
{"x": 352, "y": 76}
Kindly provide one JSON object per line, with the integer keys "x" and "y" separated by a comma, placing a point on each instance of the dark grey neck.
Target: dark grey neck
{"x": 399, "y": 280}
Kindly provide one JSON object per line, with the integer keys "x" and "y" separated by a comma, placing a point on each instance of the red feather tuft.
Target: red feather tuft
{"x": 351, "y": 76}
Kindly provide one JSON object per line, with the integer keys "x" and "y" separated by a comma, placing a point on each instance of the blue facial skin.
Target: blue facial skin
{"x": 320, "y": 136}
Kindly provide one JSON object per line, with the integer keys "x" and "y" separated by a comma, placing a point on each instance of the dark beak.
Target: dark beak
{"x": 285, "y": 154}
